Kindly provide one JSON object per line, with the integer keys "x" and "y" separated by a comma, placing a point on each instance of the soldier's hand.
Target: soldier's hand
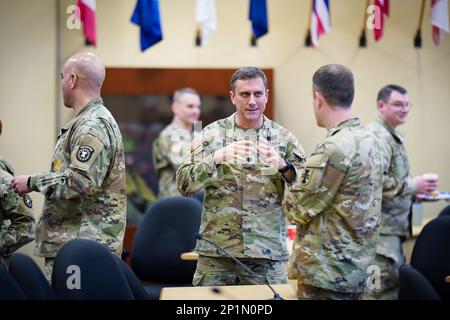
{"x": 19, "y": 184}
{"x": 268, "y": 152}
{"x": 235, "y": 152}
{"x": 425, "y": 186}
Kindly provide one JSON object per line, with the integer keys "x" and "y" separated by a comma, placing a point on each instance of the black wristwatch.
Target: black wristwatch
{"x": 288, "y": 167}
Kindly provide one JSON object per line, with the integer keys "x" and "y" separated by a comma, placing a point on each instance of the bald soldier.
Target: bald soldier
{"x": 172, "y": 146}
{"x": 16, "y": 216}
{"x": 336, "y": 202}
{"x": 244, "y": 162}
{"x": 85, "y": 195}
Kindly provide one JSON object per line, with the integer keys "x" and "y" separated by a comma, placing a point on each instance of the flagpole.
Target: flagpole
{"x": 363, "y": 38}
{"x": 198, "y": 37}
{"x": 418, "y": 37}
{"x": 308, "y": 31}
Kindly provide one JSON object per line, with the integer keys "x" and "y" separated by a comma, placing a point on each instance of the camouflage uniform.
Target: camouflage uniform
{"x": 336, "y": 205}
{"x": 398, "y": 190}
{"x": 16, "y": 217}
{"x": 85, "y": 194}
{"x": 242, "y": 209}
{"x": 170, "y": 150}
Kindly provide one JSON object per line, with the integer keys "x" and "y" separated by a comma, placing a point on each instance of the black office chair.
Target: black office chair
{"x": 445, "y": 212}
{"x": 431, "y": 255}
{"x": 168, "y": 229}
{"x": 87, "y": 270}
{"x": 30, "y": 278}
{"x": 135, "y": 284}
{"x": 9, "y": 289}
{"x": 414, "y": 286}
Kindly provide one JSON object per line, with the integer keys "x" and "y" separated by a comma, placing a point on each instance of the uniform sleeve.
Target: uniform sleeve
{"x": 295, "y": 155}
{"x": 199, "y": 167}
{"x": 90, "y": 158}
{"x": 316, "y": 187}
{"x": 18, "y": 225}
{"x": 394, "y": 186}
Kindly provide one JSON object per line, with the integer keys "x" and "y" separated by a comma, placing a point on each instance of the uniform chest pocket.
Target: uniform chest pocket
{"x": 312, "y": 174}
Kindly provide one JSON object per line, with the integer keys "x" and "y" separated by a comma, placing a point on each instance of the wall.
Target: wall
{"x": 28, "y": 81}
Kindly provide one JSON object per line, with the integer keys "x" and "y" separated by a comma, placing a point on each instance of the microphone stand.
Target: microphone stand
{"x": 276, "y": 296}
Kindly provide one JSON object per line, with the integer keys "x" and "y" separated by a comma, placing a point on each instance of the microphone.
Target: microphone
{"x": 276, "y": 296}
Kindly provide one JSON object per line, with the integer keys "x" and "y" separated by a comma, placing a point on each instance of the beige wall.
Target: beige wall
{"x": 27, "y": 34}
{"x": 28, "y": 86}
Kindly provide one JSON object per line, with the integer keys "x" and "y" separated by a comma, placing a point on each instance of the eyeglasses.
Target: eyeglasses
{"x": 398, "y": 105}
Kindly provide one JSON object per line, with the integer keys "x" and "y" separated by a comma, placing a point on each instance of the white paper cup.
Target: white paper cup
{"x": 430, "y": 176}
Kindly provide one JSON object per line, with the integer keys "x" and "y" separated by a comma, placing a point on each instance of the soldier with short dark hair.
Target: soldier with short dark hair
{"x": 336, "y": 201}
{"x": 244, "y": 162}
{"x": 85, "y": 194}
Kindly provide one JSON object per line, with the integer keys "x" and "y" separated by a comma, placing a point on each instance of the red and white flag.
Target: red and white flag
{"x": 87, "y": 16}
{"x": 320, "y": 20}
{"x": 439, "y": 19}
{"x": 383, "y": 5}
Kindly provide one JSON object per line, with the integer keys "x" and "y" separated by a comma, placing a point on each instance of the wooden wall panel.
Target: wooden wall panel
{"x": 141, "y": 81}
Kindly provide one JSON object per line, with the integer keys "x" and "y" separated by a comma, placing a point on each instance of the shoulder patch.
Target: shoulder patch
{"x": 27, "y": 200}
{"x": 84, "y": 153}
{"x": 306, "y": 176}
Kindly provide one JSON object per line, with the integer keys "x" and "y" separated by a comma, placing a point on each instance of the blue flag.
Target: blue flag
{"x": 258, "y": 16}
{"x": 146, "y": 15}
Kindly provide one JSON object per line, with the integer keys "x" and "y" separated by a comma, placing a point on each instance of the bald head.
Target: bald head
{"x": 81, "y": 79}
{"x": 88, "y": 68}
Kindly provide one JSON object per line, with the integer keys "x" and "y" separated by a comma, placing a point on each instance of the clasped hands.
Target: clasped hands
{"x": 238, "y": 151}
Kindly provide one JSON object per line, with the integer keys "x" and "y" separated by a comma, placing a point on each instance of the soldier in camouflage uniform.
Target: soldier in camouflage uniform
{"x": 16, "y": 217}
{"x": 399, "y": 188}
{"x": 85, "y": 194}
{"x": 244, "y": 162}
{"x": 336, "y": 202}
{"x": 172, "y": 146}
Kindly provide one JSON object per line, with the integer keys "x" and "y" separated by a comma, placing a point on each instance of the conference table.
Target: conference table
{"x": 243, "y": 292}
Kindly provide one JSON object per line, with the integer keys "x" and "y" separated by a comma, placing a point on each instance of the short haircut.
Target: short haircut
{"x": 181, "y": 92}
{"x": 385, "y": 92}
{"x": 247, "y": 73}
{"x": 335, "y": 83}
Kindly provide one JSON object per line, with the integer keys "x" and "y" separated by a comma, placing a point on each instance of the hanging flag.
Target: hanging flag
{"x": 146, "y": 15}
{"x": 87, "y": 17}
{"x": 320, "y": 20}
{"x": 205, "y": 15}
{"x": 384, "y": 13}
{"x": 258, "y": 17}
{"x": 439, "y": 19}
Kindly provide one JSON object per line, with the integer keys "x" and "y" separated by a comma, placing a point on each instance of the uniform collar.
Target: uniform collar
{"x": 394, "y": 132}
{"x": 231, "y": 123}
{"x": 91, "y": 105}
{"x": 352, "y": 122}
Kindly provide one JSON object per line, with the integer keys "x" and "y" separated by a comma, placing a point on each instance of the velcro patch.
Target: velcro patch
{"x": 85, "y": 153}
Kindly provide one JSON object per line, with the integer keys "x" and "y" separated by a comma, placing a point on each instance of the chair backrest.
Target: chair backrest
{"x": 431, "y": 254}
{"x": 167, "y": 230}
{"x": 135, "y": 284}
{"x": 445, "y": 212}
{"x": 30, "y": 278}
{"x": 9, "y": 289}
{"x": 414, "y": 286}
{"x": 87, "y": 270}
